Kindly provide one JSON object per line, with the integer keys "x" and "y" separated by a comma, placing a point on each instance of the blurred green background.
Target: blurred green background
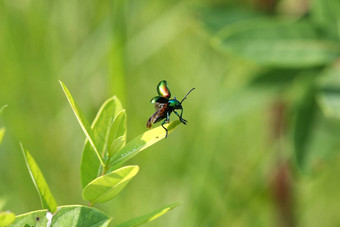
{"x": 261, "y": 147}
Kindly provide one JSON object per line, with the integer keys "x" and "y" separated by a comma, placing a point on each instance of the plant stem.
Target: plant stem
{"x": 106, "y": 167}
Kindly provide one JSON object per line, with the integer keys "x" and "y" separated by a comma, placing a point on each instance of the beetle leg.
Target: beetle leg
{"x": 166, "y": 130}
{"x": 180, "y": 117}
{"x": 167, "y": 117}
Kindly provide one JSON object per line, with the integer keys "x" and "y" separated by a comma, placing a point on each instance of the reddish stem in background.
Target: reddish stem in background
{"x": 281, "y": 182}
{"x": 266, "y": 5}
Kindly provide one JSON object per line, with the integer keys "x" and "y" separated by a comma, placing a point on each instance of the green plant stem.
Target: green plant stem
{"x": 106, "y": 167}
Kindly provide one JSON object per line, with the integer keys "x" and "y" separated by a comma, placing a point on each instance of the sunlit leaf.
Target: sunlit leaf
{"x": 116, "y": 145}
{"x": 277, "y": 43}
{"x": 47, "y": 200}
{"x": 90, "y": 164}
{"x": 70, "y": 216}
{"x": 76, "y": 215}
{"x": 141, "y": 142}
{"x": 2, "y": 130}
{"x": 148, "y": 217}
{"x": 35, "y": 218}
{"x": 6, "y": 218}
{"x": 118, "y": 128}
{"x": 106, "y": 187}
{"x": 82, "y": 121}
{"x": 2, "y": 133}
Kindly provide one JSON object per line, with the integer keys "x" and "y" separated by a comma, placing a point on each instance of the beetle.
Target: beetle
{"x": 164, "y": 106}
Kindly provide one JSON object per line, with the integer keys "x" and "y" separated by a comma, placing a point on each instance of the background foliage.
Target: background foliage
{"x": 261, "y": 144}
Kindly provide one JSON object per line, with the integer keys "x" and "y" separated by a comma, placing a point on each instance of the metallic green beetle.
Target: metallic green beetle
{"x": 165, "y": 106}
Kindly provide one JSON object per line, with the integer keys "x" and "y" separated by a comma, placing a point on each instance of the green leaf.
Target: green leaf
{"x": 329, "y": 94}
{"x": 216, "y": 18}
{"x": 116, "y": 145}
{"x": 70, "y": 216}
{"x": 326, "y": 14}
{"x": 82, "y": 121}
{"x": 46, "y": 197}
{"x": 6, "y": 218}
{"x": 148, "y": 217}
{"x": 303, "y": 125}
{"x": 90, "y": 165}
{"x": 2, "y": 133}
{"x": 277, "y": 44}
{"x": 118, "y": 128}
{"x": 2, "y": 130}
{"x": 141, "y": 142}
{"x": 106, "y": 187}
{"x": 76, "y": 215}
{"x": 35, "y": 218}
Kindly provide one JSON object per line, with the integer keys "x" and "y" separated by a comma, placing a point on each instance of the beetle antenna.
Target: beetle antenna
{"x": 187, "y": 95}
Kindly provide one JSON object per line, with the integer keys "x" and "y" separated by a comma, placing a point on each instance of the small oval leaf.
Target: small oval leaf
{"x": 70, "y": 216}
{"x": 116, "y": 145}
{"x": 35, "y": 218}
{"x": 106, "y": 187}
{"x": 118, "y": 128}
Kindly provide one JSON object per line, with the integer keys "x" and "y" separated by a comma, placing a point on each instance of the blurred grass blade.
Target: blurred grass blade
{"x": 277, "y": 43}
{"x": 82, "y": 121}
{"x": 117, "y": 64}
{"x": 148, "y": 217}
{"x": 90, "y": 165}
{"x": 303, "y": 124}
{"x": 172, "y": 20}
{"x": 6, "y": 218}
{"x": 47, "y": 200}
{"x": 141, "y": 142}
{"x": 70, "y": 216}
{"x": 2, "y": 133}
{"x": 107, "y": 187}
{"x": 2, "y": 108}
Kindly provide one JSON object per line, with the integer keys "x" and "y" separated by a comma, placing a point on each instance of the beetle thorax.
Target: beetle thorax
{"x": 174, "y": 104}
